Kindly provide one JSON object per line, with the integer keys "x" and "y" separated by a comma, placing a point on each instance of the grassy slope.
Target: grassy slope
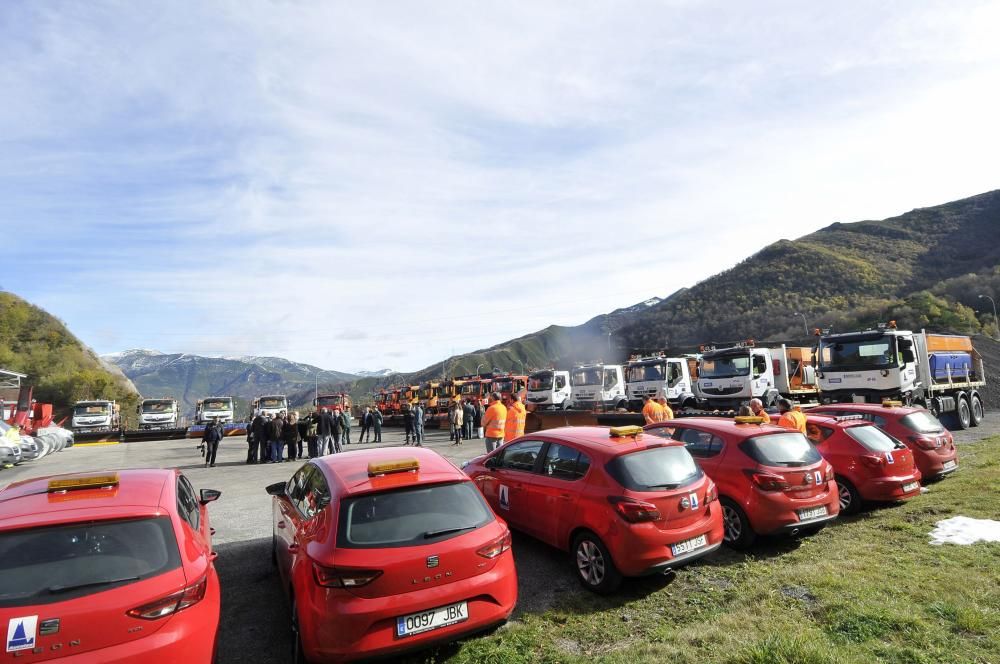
{"x": 868, "y": 588}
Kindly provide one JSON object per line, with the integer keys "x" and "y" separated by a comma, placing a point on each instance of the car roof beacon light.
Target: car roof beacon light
{"x": 752, "y": 419}
{"x": 394, "y": 466}
{"x": 625, "y": 432}
{"x": 83, "y": 482}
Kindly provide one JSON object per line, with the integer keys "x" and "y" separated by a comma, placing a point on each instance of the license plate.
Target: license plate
{"x": 949, "y": 465}
{"x": 415, "y": 623}
{"x": 812, "y": 513}
{"x": 689, "y": 545}
{"x": 910, "y": 486}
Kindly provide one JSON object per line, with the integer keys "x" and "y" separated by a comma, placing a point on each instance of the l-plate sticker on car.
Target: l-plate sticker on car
{"x": 21, "y": 633}
{"x": 504, "y": 497}
{"x": 888, "y": 458}
{"x": 694, "y": 500}
{"x": 819, "y": 477}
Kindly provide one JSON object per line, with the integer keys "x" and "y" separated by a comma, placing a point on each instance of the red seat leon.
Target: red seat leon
{"x": 115, "y": 567}
{"x": 624, "y": 503}
{"x": 869, "y": 464}
{"x": 387, "y": 550}
{"x": 931, "y": 443}
{"x": 770, "y": 480}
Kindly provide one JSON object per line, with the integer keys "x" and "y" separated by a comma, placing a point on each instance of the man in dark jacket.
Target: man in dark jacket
{"x": 338, "y": 429}
{"x": 290, "y": 436}
{"x": 377, "y": 423}
{"x": 408, "y": 422}
{"x": 345, "y": 423}
{"x": 211, "y": 439}
{"x": 324, "y": 432}
{"x": 274, "y": 438}
{"x": 366, "y": 424}
{"x": 468, "y": 419}
{"x": 477, "y": 420}
{"x": 256, "y": 438}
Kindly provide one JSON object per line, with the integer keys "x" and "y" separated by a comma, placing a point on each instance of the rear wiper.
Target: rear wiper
{"x": 107, "y": 582}
{"x": 446, "y": 531}
{"x": 663, "y": 486}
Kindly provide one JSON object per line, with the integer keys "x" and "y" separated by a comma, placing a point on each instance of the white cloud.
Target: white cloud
{"x": 331, "y": 182}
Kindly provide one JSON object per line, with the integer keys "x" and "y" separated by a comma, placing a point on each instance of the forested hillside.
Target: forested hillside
{"x": 58, "y": 365}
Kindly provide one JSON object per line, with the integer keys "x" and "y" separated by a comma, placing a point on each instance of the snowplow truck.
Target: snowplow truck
{"x": 729, "y": 376}
{"x": 942, "y": 373}
{"x": 598, "y": 387}
{"x": 208, "y": 409}
{"x": 95, "y": 416}
{"x": 157, "y": 414}
{"x": 660, "y": 376}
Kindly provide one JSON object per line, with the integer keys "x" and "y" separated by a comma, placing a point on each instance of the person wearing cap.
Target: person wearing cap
{"x": 494, "y": 422}
{"x": 791, "y": 419}
{"x": 666, "y": 412}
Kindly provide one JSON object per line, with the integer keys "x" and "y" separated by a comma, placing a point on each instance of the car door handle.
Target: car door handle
{"x": 293, "y": 548}
{"x": 281, "y": 524}
{"x": 211, "y": 531}
{"x": 213, "y": 555}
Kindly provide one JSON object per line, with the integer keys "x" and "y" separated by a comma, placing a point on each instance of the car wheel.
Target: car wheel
{"x": 976, "y": 410}
{"x": 737, "y": 531}
{"x": 850, "y": 499}
{"x": 964, "y": 413}
{"x": 593, "y": 564}
{"x": 298, "y": 654}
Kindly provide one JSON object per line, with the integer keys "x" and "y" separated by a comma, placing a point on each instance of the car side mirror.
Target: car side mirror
{"x": 491, "y": 462}
{"x": 276, "y": 489}
{"x": 209, "y": 495}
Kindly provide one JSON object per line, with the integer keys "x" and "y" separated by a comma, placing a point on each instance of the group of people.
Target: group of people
{"x": 325, "y": 431}
{"x": 504, "y": 419}
{"x": 465, "y": 420}
{"x": 790, "y": 417}
{"x": 656, "y": 410}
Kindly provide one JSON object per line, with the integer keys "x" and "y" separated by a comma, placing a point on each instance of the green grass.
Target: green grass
{"x": 866, "y": 589}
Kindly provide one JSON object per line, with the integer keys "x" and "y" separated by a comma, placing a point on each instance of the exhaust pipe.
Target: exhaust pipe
{"x": 669, "y": 574}
{"x": 795, "y": 532}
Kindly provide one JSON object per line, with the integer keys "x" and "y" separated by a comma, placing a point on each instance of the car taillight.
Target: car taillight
{"x": 171, "y": 604}
{"x": 712, "y": 494}
{"x": 872, "y": 461}
{"x": 768, "y": 481}
{"x": 924, "y": 443}
{"x": 496, "y": 547}
{"x": 634, "y": 511}
{"x": 338, "y": 577}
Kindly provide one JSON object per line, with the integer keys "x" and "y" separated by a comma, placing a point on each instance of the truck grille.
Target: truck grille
{"x": 721, "y": 391}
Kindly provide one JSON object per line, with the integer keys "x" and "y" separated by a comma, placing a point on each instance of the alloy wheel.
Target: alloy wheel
{"x": 590, "y": 562}
{"x": 733, "y": 525}
{"x": 845, "y": 497}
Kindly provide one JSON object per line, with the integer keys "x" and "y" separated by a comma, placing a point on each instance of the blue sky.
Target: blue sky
{"x": 368, "y": 185}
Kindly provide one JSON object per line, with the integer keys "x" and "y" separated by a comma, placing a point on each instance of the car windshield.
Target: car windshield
{"x": 158, "y": 406}
{"x": 874, "y": 439}
{"x": 667, "y": 467}
{"x": 277, "y": 402}
{"x": 43, "y": 565}
{"x": 91, "y": 409}
{"x": 217, "y": 404}
{"x": 781, "y": 449}
{"x": 857, "y": 354}
{"x": 411, "y": 516}
{"x": 725, "y": 366}
{"x": 922, "y": 422}
{"x": 638, "y": 373}
{"x": 587, "y": 377}
{"x": 540, "y": 382}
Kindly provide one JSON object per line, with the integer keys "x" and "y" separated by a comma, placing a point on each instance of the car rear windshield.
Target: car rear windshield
{"x": 922, "y": 422}
{"x": 43, "y": 565}
{"x": 781, "y": 449}
{"x": 417, "y": 515}
{"x": 667, "y": 467}
{"x": 874, "y": 439}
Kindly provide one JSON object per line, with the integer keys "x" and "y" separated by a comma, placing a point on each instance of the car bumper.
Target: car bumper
{"x": 643, "y": 549}
{"x": 889, "y": 489}
{"x": 931, "y": 462}
{"x": 341, "y": 627}
{"x": 775, "y": 513}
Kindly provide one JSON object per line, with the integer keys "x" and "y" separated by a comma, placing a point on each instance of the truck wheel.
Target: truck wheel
{"x": 976, "y": 410}
{"x": 964, "y": 413}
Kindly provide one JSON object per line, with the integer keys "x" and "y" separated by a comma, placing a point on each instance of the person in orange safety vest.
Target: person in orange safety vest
{"x": 494, "y": 422}
{"x": 517, "y": 414}
{"x": 650, "y": 410}
{"x": 666, "y": 412}
{"x": 791, "y": 419}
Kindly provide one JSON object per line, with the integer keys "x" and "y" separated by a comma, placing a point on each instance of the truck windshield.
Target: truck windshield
{"x": 335, "y": 400}
{"x": 470, "y": 388}
{"x": 540, "y": 382}
{"x": 217, "y": 404}
{"x": 586, "y": 377}
{"x": 157, "y": 406}
{"x": 504, "y": 386}
{"x": 91, "y": 409}
{"x": 638, "y": 373}
{"x": 274, "y": 402}
{"x": 443, "y": 391}
{"x": 857, "y": 354}
{"x": 724, "y": 366}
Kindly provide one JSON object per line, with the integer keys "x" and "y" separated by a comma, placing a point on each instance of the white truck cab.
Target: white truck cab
{"x": 98, "y": 415}
{"x": 660, "y": 376}
{"x": 598, "y": 385}
{"x": 549, "y": 388}
{"x": 731, "y": 375}
{"x": 270, "y": 404}
{"x": 157, "y": 414}
{"x": 210, "y": 408}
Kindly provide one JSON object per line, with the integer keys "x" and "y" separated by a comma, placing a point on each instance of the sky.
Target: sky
{"x": 370, "y": 185}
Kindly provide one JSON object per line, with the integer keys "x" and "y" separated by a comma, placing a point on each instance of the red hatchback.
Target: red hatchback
{"x": 116, "y": 567}
{"x": 387, "y": 550}
{"x": 623, "y": 503}
{"x": 932, "y": 445}
{"x": 771, "y": 480}
{"x": 869, "y": 464}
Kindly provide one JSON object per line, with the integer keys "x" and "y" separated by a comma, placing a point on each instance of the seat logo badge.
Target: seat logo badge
{"x": 432, "y": 561}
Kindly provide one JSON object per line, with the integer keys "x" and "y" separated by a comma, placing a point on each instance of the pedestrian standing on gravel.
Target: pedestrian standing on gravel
{"x": 408, "y": 423}
{"x": 516, "y": 417}
{"x": 312, "y": 435}
{"x": 338, "y": 430}
{"x": 255, "y": 438}
{"x": 324, "y": 432}
{"x": 302, "y": 424}
{"x": 468, "y": 417}
{"x": 366, "y": 425}
{"x": 211, "y": 438}
{"x": 494, "y": 422}
{"x": 377, "y": 423}
{"x": 274, "y": 438}
{"x": 290, "y": 436}
{"x": 456, "y": 418}
{"x": 266, "y": 441}
{"x": 418, "y": 426}
{"x": 477, "y": 422}
{"x": 666, "y": 412}
{"x": 345, "y": 424}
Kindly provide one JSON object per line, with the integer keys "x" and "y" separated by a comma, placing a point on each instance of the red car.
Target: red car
{"x": 771, "y": 480}
{"x": 932, "y": 445}
{"x": 869, "y": 464}
{"x": 387, "y": 550}
{"x": 116, "y": 567}
{"x": 623, "y": 503}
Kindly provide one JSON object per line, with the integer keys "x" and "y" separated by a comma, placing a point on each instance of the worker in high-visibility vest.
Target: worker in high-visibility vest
{"x": 666, "y": 412}
{"x": 791, "y": 419}
{"x": 494, "y": 422}
{"x": 650, "y": 410}
{"x": 517, "y": 414}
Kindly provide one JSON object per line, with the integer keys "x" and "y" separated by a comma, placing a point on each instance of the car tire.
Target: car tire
{"x": 850, "y": 499}
{"x": 594, "y": 567}
{"x": 964, "y": 413}
{"x": 975, "y": 410}
{"x": 737, "y": 532}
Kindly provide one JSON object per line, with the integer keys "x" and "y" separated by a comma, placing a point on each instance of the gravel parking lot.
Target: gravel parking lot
{"x": 254, "y": 624}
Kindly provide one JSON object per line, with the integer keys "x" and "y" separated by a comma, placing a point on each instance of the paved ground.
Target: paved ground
{"x": 254, "y": 615}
